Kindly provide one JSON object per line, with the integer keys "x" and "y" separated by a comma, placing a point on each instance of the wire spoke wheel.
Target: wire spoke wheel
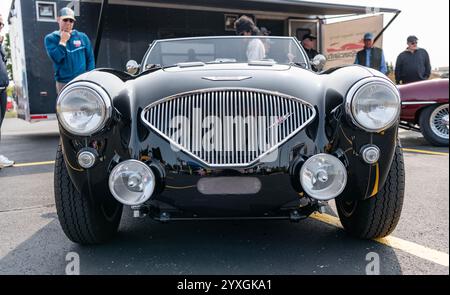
{"x": 439, "y": 121}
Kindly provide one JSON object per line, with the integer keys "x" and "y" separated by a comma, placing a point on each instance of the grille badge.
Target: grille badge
{"x": 280, "y": 120}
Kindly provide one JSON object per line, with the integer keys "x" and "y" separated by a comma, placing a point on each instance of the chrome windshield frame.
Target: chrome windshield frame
{"x": 156, "y": 42}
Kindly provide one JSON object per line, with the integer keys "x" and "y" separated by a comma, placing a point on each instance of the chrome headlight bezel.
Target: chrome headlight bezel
{"x": 358, "y": 88}
{"x": 103, "y": 98}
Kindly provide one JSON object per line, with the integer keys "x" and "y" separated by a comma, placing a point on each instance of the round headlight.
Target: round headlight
{"x": 132, "y": 182}
{"x": 374, "y": 104}
{"x": 323, "y": 177}
{"x": 83, "y": 108}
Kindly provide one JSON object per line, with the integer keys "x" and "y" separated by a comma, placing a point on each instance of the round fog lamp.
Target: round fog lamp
{"x": 132, "y": 182}
{"x": 370, "y": 154}
{"x": 323, "y": 177}
{"x": 86, "y": 159}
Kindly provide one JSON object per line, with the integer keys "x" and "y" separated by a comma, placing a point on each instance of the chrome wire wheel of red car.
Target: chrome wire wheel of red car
{"x": 439, "y": 121}
{"x": 434, "y": 123}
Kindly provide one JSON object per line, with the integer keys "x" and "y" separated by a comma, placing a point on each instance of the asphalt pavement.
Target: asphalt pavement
{"x": 32, "y": 241}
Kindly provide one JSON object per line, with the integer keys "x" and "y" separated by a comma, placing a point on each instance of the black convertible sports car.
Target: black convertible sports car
{"x": 228, "y": 128}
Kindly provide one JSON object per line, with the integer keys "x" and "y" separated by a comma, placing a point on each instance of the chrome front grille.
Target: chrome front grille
{"x": 228, "y": 127}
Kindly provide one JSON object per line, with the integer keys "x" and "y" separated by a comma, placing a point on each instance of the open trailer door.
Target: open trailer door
{"x": 342, "y": 40}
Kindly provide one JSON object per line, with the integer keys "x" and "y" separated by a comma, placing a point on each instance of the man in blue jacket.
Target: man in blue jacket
{"x": 371, "y": 56}
{"x": 4, "y": 82}
{"x": 70, "y": 50}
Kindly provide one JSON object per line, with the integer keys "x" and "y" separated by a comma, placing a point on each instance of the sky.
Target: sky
{"x": 428, "y": 20}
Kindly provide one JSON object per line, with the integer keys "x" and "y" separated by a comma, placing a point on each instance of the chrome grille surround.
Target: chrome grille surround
{"x": 278, "y": 118}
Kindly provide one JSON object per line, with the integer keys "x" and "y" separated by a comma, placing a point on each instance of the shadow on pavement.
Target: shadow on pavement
{"x": 415, "y": 140}
{"x": 206, "y": 248}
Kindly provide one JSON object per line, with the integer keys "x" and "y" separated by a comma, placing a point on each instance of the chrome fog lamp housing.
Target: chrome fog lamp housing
{"x": 323, "y": 177}
{"x": 86, "y": 159}
{"x": 373, "y": 104}
{"x": 83, "y": 108}
{"x": 370, "y": 154}
{"x": 132, "y": 182}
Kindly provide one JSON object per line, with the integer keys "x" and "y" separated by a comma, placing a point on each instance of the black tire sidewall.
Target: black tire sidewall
{"x": 95, "y": 227}
{"x": 359, "y": 224}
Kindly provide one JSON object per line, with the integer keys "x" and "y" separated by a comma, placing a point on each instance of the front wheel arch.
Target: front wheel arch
{"x": 83, "y": 220}
{"x": 377, "y": 216}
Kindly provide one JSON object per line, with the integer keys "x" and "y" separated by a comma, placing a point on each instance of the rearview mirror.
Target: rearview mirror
{"x": 319, "y": 62}
{"x": 132, "y": 67}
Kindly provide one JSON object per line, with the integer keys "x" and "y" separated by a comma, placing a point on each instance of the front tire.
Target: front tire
{"x": 82, "y": 220}
{"x": 434, "y": 124}
{"x": 377, "y": 216}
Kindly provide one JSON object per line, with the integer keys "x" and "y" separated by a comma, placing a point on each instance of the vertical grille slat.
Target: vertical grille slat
{"x": 221, "y": 154}
{"x": 243, "y": 124}
{"x": 291, "y": 117}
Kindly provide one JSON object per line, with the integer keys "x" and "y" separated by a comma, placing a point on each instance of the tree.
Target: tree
{"x": 8, "y": 56}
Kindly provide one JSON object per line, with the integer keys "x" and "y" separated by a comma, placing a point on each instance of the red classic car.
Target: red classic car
{"x": 425, "y": 104}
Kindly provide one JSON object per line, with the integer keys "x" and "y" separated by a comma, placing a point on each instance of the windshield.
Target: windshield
{"x": 280, "y": 50}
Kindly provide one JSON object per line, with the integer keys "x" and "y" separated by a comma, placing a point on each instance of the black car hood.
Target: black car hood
{"x": 293, "y": 81}
{"x": 137, "y": 92}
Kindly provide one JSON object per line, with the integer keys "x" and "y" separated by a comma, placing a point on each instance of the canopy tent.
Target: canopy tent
{"x": 293, "y": 7}
{"x": 304, "y": 9}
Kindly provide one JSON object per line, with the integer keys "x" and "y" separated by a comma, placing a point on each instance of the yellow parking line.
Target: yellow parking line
{"x": 34, "y": 164}
{"x": 425, "y": 152}
{"x": 326, "y": 218}
{"x": 417, "y": 250}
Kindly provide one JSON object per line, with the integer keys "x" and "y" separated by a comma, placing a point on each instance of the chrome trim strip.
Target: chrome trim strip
{"x": 418, "y": 102}
{"x": 227, "y": 79}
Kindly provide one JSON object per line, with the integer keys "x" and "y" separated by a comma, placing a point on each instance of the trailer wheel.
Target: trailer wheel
{"x": 83, "y": 221}
{"x": 378, "y": 216}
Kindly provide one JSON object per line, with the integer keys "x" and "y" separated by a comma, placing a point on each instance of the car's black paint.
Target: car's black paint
{"x": 127, "y": 137}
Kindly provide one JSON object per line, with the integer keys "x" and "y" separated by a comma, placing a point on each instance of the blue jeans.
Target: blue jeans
{"x": 3, "y": 99}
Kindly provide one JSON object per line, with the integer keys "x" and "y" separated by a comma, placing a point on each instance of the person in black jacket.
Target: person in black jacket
{"x": 309, "y": 44}
{"x": 413, "y": 64}
{"x": 4, "y": 82}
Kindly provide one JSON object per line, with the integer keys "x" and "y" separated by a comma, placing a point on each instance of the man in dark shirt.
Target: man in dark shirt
{"x": 309, "y": 44}
{"x": 413, "y": 64}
